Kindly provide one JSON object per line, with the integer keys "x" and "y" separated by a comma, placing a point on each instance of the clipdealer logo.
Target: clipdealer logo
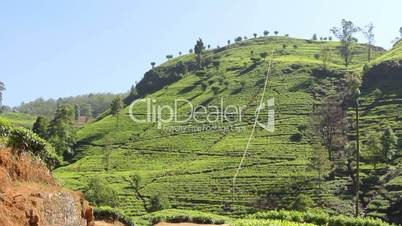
{"x": 163, "y": 114}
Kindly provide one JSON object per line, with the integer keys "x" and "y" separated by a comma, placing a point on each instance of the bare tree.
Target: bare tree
{"x": 369, "y": 35}
{"x": 345, "y": 35}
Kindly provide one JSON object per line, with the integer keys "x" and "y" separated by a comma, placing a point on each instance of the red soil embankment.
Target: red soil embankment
{"x": 29, "y": 195}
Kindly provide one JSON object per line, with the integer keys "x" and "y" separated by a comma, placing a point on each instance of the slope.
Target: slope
{"x": 193, "y": 164}
{"x": 381, "y": 106}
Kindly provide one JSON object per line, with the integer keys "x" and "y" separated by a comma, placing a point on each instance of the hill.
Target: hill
{"x": 193, "y": 164}
{"x": 381, "y": 104}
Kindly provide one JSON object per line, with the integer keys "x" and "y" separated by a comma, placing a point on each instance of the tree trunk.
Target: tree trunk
{"x": 357, "y": 160}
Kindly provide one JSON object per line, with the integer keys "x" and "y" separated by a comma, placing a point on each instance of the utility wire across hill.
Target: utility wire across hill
{"x": 255, "y": 123}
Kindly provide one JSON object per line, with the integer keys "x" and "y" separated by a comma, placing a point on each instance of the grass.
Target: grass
{"x": 195, "y": 169}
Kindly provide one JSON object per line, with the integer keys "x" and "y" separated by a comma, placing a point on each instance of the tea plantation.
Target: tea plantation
{"x": 193, "y": 165}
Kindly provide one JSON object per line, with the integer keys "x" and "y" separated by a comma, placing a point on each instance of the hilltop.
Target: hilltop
{"x": 194, "y": 168}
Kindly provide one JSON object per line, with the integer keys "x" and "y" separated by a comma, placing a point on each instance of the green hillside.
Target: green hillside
{"x": 381, "y": 106}
{"x": 194, "y": 168}
{"x": 395, "y": 54}
{"x": 19, "y": 119}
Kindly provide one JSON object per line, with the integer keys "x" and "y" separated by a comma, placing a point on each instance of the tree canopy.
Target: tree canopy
{"x": 345, "y": 35}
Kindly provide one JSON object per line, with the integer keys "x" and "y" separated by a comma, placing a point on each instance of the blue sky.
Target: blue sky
{"x": 70, "y": 47}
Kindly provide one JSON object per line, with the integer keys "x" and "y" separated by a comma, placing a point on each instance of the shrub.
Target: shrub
{"x": 302, "y": 203}
{"x": 100, "y": 193}
{"x": 158, "y": 202}
{"x": 23, "y": 139}
{"x": 5, "y": 128}
{"x": 297, "y": 137}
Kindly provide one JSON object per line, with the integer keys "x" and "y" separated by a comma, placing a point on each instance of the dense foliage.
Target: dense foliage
{"x": 22, "y": 139}
{"x": 91, "y": 105}
{"x": 100, "y": 193}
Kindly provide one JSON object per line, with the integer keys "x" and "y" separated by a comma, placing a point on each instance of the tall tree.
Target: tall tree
{"x": 314, "y": 38}
{"x": 255, "y": 35}
{"x": 2, "y": 88}
{"x": 345, "y": 35}
{"x": 325, "y": 54}
{"x": 153, "y": 65}
{"x": 40, "y": 127}
{"x": 353, "y": 92}
{"x": 329, "y": 121}
{"x": 238, "y": 39}
{"x": 136, "y": 183}
{"x": 389, "y": 143}
{"x": 276, "y": 32}
{"x": 400, "y": 31}
{"x": 61, "y": 131}
{"x": 369, "y": 35}
{"x": 107, "y": 154}
{"x": 115, "y": 109}
{"x": 198, "y": 50}
{"x": 374, "y": 147}
{"x": 356, "y": 105}
{"x": 266, "y": 33}
{"x": 319, "y": 161}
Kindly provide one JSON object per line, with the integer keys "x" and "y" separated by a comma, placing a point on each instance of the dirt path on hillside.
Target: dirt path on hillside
{"x": 187, "y": 224}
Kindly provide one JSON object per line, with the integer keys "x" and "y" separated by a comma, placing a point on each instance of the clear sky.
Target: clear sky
{"x": 57, "y": 48}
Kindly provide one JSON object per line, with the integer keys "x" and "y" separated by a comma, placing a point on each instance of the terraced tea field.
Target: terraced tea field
{"x": 194, "y": 167}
